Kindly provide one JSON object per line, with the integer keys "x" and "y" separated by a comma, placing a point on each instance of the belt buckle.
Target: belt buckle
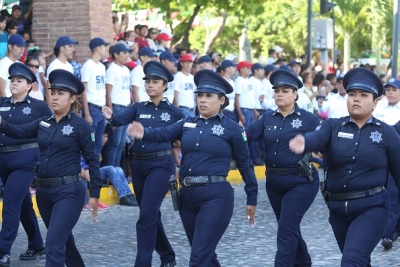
{"x": 184, "y": 181}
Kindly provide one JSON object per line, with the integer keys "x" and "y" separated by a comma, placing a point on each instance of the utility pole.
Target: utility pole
{"x": 395, "y": 44}
{"x": 309, "y": 35}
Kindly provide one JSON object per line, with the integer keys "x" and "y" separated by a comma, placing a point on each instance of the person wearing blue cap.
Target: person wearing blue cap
{"x": 290, "y": 191}
{"x": 227, "y": 70}
{"x": 15, "y": 48}
{"x": 206, "y": 197}
{"x": 169, "y": 61}
{"x": 359, "y": 151}
{"x": 205, "y": 62}
{"x": 268, "y": 101}
{"x": 153, "y": 163}
{"x": 118, "y": 98}
{"x": 139, "y": 93}
{"x": 390, "y": 114}
{"x": 17, "y": 159}
{"x": 63, "y": 138}
{"x": 335, "y": 104}
{"x": 63, "y": 50}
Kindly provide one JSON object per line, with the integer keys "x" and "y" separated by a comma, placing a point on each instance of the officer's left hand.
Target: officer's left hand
{"x": 251, "y": 211}
{"x": 94, "y": 202}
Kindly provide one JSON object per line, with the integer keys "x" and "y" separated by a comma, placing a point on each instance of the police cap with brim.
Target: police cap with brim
{"x": 285, "y": 78}
{"x": 66, "y": 81}
{"x": 18, "y": 69}
{"x": 393, "y": 82}
{"x": 156, "y": 70}
{"x": 207, "y": 81}
{"x": 363, "y": 79}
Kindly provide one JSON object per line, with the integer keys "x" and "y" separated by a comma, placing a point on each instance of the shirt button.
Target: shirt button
{"x": 142, "y": 146}
{"x": 356, "y": 143}
{"x": 156, "y": 109}
{"x": 344, "y": 186}
{"x": 274, "y": 165}
{"x": 277, "y": 140}
{"x": 349, "y": 171}
{"x": 354, "y": 157}
{"x": 153, "y": 117}
{"x": 9, "y": 115}
{"x": 275, "y": 153}
{"x": 201, "y": 131}
{"x": 149, "y": 126}
{"x": 280, "y": 128}
{"x": 190, "y": 170}
{"x": 197, "y": 144}
{"x": 206, "y": 122}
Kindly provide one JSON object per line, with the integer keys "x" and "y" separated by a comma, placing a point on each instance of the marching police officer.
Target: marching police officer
{"x": 62, "y": 137}
{"x": 290, "y": 193}
{"x": 17, "y": 159}
{"x": 152, "y": 163}
{"x": 208, "y": 142}
{"x": 359, "y": 151}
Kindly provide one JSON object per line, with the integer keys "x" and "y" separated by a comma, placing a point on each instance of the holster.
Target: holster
{"x": 304, "y": 167}
{"x": 173, "y": 188}
{"x": 324, "y": 192}
{"x": 36, "y": 168}
{"x": 130, "y": 149}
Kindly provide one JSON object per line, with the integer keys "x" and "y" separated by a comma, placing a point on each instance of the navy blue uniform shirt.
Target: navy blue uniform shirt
{"x": 397, "y": 127}
{"x": 276, "y": 131}
{"x": 21, "y": 112}
{"x": 152, "y": 116}
{"x": 356, "y": 159}
{"x": 207, "y": 147}
{"x": 61, "y": 145}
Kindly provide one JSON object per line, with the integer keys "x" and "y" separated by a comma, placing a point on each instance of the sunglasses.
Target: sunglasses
{"x": 33, "y": 66}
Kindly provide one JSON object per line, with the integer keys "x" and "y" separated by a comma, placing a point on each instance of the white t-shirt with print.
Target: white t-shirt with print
{"x": 258, "y": 88}
{"x": 119, "y": 78}
{"x": 5, "y": 63}
{"x": 94, "y": 74}
{"x": 137, "y": 75}
{"x": 246, "y": 92}
{"x": 184, "y": 85}
{"x": 57, "y": 64}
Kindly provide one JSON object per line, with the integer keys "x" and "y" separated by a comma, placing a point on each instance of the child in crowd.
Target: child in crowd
{"x": 33, "y": 64}
{"x": 3, "y": 37}
{"x": 11, "y": 28}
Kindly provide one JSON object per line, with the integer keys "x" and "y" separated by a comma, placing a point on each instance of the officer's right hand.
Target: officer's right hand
{"x": 107, "y": 112}
{"x": 136, "y": 130}
{"x": 94, "y": 203}
{"x": 297, "y": 144}
{"x": 89, "y": 119}
{"x": 251, "y": 211}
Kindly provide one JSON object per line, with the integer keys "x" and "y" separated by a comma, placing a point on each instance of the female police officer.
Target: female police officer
{"x": 290, "y": 193}
{"x": 62, "y": 138}
{"x": 152, "y": 164}
{"x": 359, "y": 151}
{"x": 17, "y": 159}
{"x": 207, "y": 142}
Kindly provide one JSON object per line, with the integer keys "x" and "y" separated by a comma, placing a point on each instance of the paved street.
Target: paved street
{"x": 112, "y": 241}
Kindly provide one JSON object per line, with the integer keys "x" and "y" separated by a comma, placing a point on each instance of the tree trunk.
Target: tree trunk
{"x": 184, "y": 41}
{"x": 212, "y": 37}
{"x": 346, "y": 52}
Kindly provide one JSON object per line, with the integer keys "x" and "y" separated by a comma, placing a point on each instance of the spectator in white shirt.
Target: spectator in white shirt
{"x": 335, "y": 104}
{"x": 205, "y": 62}
{"x": 169, "y": 61}
{"x": 184, "y": 86}
{"x": 227, "y": 70}
{"x": 390, "y": 113}
{"x": 139, "y": 94}
{"x": 256, "y": 84}
{"x": 268, "y": 102}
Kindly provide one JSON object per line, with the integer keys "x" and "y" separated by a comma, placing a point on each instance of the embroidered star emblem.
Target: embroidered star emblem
{"x": 165, "y": 117}
{"x": 217, "y": 129}
{"x": 26, "y": 110}
{"x": 67, "y": 130}
{"x": 296, "y": 123}
{"x": 376, "y": 137}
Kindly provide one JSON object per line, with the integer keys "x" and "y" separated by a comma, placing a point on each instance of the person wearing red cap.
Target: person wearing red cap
{"x": 184, "y": 86}
{"x": 163, "y": 40}
{"x": 245, "y": 105}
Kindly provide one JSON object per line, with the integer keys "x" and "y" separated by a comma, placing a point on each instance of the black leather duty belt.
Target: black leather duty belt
{"x": 201, "y": 180}
{"x": 18, "y": 147}
{"x": 152, "y": 155}
{"x": 95, "y": 106}
{"x": 354, "y": 194}
{"x": 287, "y": 171}
{"x": 57, "y": 181}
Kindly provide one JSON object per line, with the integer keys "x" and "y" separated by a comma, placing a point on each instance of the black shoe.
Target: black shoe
{"x": 4, "y": 260}
{"x": 258, "y": 162}
{"x": 171, "y": 264}
{"x": 31, "y": 254}
{"x": 128, "y": 200}
{"x": 387, "y": 243}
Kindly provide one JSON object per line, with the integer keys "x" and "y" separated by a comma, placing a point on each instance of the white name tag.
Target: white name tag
{"x": 5, "y": 109}
{"x": 345, "y": 135}
{"x": 45, "y": 124}
{"x": 144, "y": 116}
{"x": 190, "y": 125}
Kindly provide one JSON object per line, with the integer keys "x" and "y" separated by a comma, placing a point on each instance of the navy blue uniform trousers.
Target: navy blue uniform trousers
{"x": 358, "y": 226}
{"x": 60, "y": 208}
{"x": 291, "y": 196}
{"x": 394, "y": 208}
{"x": 150, "y": 180}
{"x": 206, "y": 211}
{"x": 17, "y": 174}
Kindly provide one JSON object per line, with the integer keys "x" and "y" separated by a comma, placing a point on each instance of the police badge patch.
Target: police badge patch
{"x": 296, "y": 123}
{"x": 217, "y": 129}
{"x": 376, "y": 137}
{"x": 165, "y": 117}
{"x": 26, "y": 110}
{"x": 67, "y": 130}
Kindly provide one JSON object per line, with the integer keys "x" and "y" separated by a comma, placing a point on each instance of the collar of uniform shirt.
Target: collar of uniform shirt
{"x": 66, "y": 116}
{"x": 220, "y": 115}
{"x": 296, "y": 109}
{"x": 11, "y": 99}
{"x": 164, "y": 100}
{"x": 370, "y": 120}
{"x": 395, "y": 106}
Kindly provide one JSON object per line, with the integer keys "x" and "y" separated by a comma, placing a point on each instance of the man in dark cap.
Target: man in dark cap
{"x": 205, "y": 62}
{"x": 169, "y": 61}
{"x": 15, "y": 49}
{"x": 139, "y": 94}
{"x": 16, "y": 12}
